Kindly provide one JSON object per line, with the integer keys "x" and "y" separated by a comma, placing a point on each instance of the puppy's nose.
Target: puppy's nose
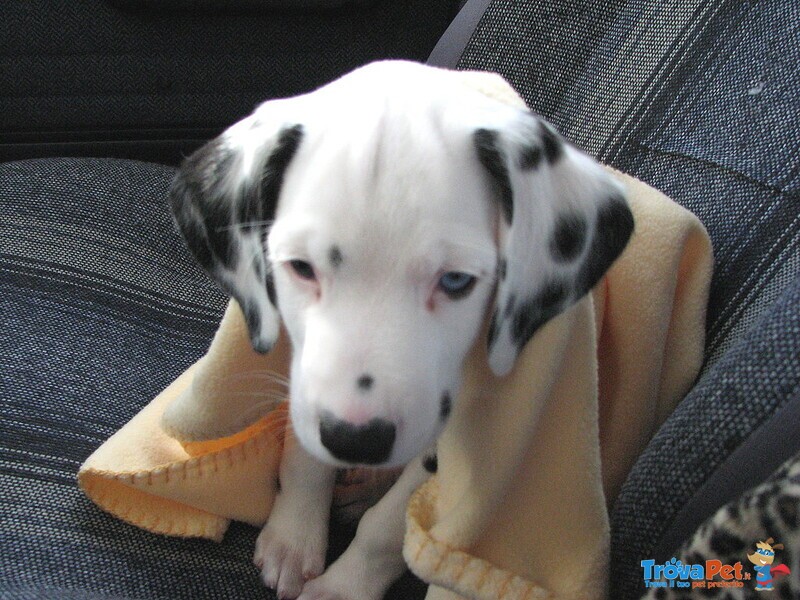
{"x": 369, "y": 444}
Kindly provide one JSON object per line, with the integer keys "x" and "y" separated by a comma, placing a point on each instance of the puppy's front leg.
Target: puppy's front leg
{"x": 291, "y": 548}
{"x": 374, "y": 559}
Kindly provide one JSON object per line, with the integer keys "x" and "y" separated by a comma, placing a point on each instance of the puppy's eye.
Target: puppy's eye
{"x": 303, "y": 269}
{"x": 456, "y": 284}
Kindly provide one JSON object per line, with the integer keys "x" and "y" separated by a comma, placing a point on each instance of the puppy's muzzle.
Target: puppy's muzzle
{"x": 368, "y": 444}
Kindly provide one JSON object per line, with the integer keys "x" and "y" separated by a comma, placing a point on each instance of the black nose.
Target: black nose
{"x": 368, "y": 444}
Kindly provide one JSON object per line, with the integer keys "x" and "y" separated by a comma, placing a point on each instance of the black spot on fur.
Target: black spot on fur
{"x": 491, "y": 336}
{"x": 552, "y": 143}
{"x": 445, "y": 406}
{"x": 530, "y": 156}
{"x": 502, "y": 269}
{"x": 270, "y": 283}
{"x": 725, "y": 543}
{"x": 552, "y": 295}
{"x": 252, "y": 317}
{"x": 613, "y": 229}
{"x": 491, "y": 156}
{"x": 206, "y": 212}
{"x": 249, "y": 209}
{"x": 569, "y": 237}
{"x": 660, "y": 594}
{"x": 191, "y": 226}
{"x": 200, "y": 208}
{"x": 209, "y": 164}
{"x": 335, "y": 257}
{"x": 365, "y": 382}
{"x": 510, "y": 306}
{"x": 210, "y": 214}
{"x": 275, "y": 168}
{"x": 431, "y": 463}
{"x": 537, "y": 310}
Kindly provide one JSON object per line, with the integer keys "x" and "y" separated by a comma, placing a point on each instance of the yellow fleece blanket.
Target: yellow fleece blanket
{"x": 527, "y": 462}
{"x": 518, "y": 508}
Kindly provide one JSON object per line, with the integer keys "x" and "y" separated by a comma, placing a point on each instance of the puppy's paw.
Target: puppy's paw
{"x": 288, "y": 559}
{"x": 355, "y": 576}
{"x": 332, "y": 588}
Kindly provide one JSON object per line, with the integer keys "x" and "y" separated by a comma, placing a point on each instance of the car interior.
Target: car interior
{"x": 102, "y": 305}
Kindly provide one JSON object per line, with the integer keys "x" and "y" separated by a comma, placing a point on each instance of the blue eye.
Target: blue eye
{"x": 456, "y": 284}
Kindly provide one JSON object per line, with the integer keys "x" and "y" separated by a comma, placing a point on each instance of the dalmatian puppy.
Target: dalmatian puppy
{"x": 387, "y": 219}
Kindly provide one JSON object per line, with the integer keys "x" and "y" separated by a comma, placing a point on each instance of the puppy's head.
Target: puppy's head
{"x": 383, "y": 218}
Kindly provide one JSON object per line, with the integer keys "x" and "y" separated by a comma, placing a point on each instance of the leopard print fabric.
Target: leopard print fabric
{"x": 771, "y": 510}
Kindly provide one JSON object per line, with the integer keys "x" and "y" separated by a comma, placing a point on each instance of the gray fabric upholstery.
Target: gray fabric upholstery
{"x": 101, "y": 306}
{"x": 736, "y": 399}
{"x": 98, "y": 78}
{"x": 228, "y": 5}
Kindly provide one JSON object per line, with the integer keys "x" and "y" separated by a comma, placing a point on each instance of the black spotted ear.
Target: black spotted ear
{"x": 564, "y": 221}
{"x": 223, "y": 200}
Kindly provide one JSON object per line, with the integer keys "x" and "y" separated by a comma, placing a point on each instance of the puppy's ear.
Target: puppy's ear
{"x": 563, "y": 222}
{"x": 223, "y": 199}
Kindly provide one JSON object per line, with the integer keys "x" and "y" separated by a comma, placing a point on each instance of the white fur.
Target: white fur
{"x": 398, "y": 231}
{"x": 387, "y": 173}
